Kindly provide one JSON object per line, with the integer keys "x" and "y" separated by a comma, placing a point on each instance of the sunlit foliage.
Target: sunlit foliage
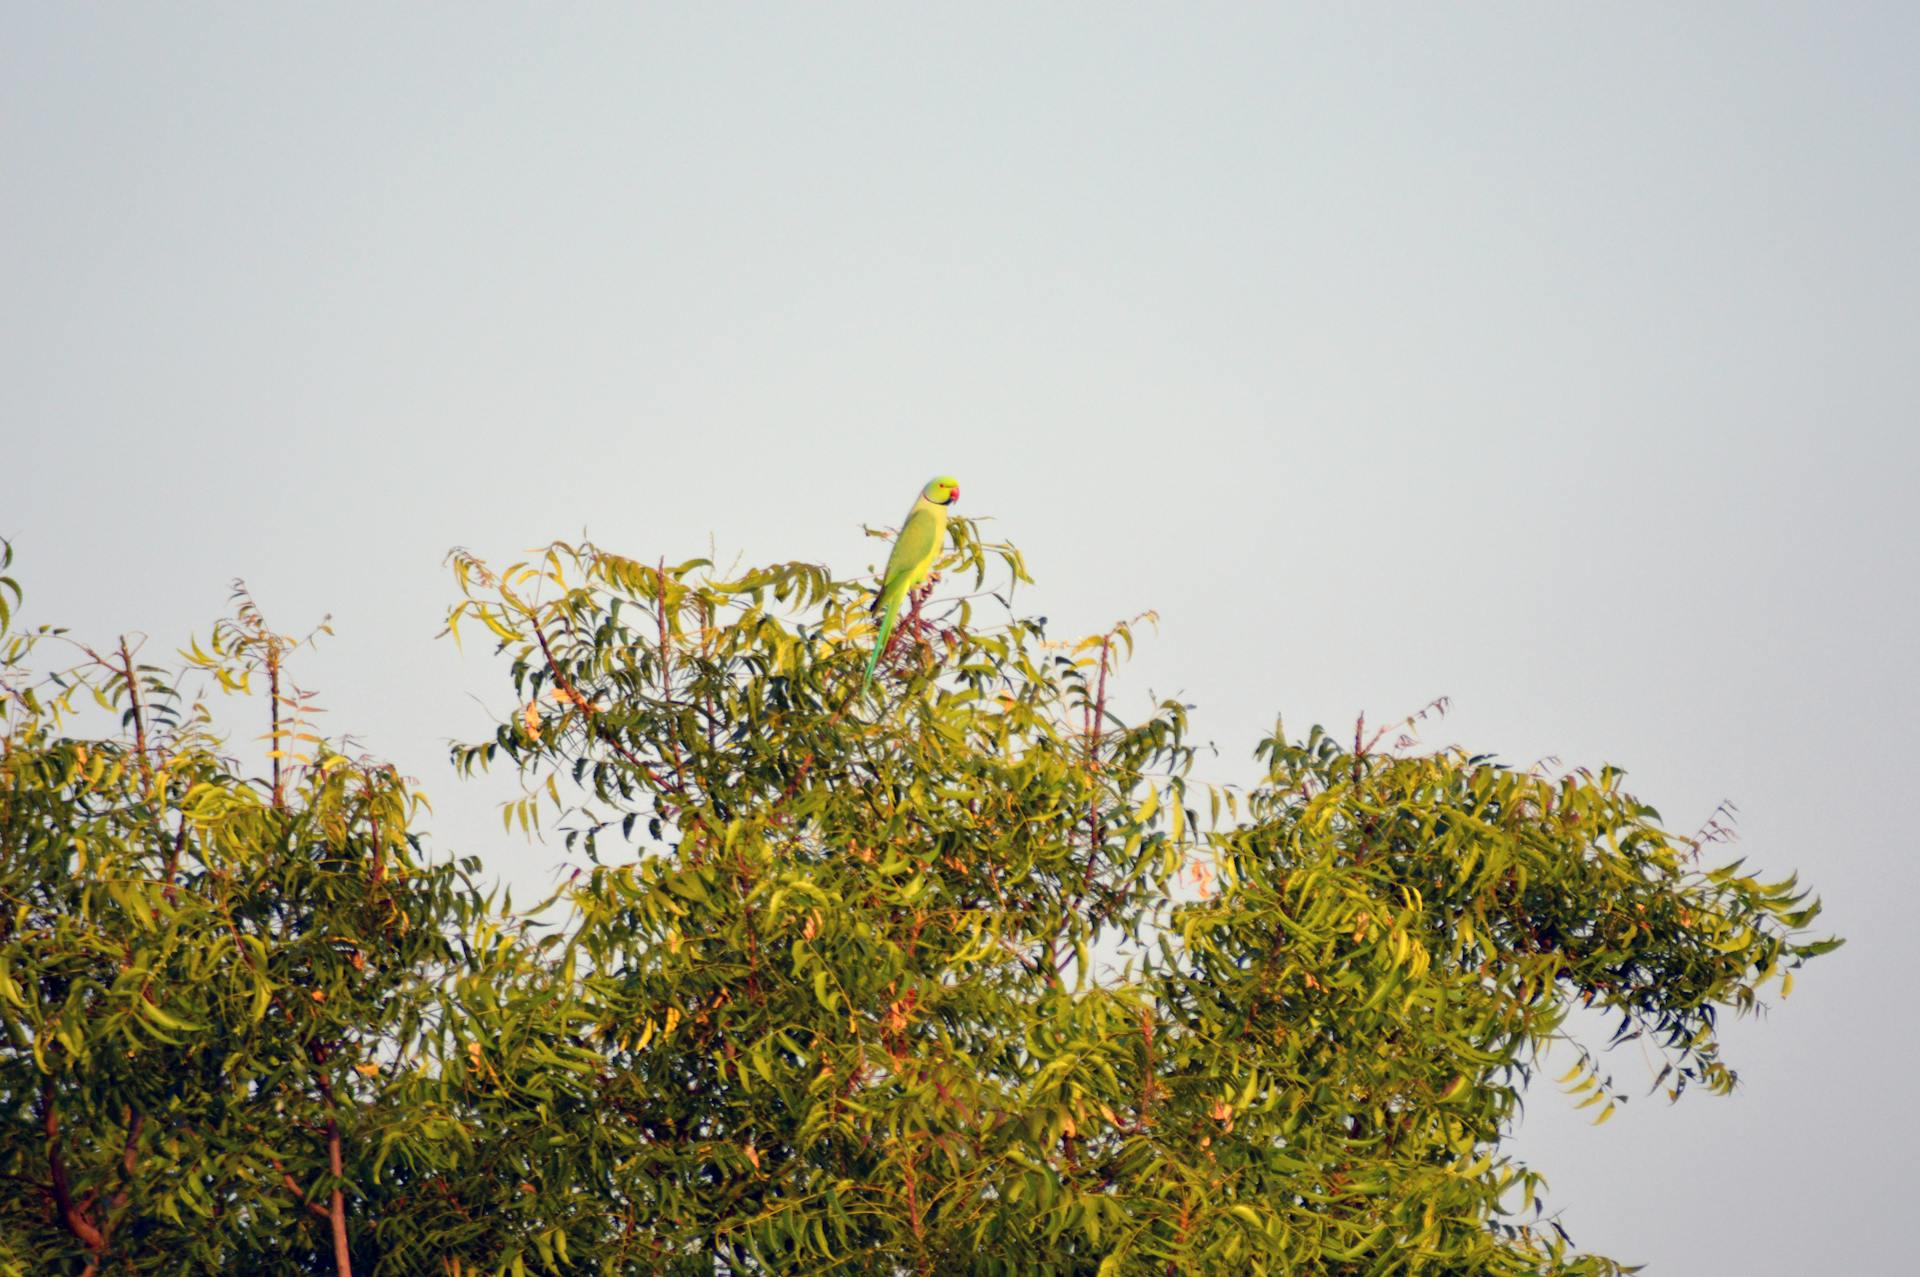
{"x": 971, "y": 974}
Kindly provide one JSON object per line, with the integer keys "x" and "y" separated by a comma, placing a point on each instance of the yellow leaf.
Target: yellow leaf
{"x": 500, "y": 631}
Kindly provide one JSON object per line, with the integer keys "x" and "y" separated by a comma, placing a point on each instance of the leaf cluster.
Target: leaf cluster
{"x": 970, "y": 974}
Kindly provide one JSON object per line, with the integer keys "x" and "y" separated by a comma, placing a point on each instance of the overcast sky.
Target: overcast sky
{"x": 1564, "y": 360}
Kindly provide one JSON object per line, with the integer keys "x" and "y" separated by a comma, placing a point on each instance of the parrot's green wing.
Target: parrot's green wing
{"x": 914, "y": 551}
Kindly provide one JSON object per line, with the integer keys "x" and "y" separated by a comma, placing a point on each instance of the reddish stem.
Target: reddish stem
{"x": 1093, "y": 721}
{"x": 273, "y": 739}
{"x": 337, "y": 1202}
{"x": 139, "y": 718}
{"x": 72, "y": 1214}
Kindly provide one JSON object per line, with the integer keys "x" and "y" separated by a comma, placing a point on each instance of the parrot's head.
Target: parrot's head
{"x": 942, "y": 491}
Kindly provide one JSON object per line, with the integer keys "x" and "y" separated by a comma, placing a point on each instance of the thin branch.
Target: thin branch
{"x": 373, "y": 821}
{"x": 706, "y": 630}
{"x": 72, "y": 1213}
{"x": 139, "y": 717}
{"x": 273, "y": 740}
{"x": 591, "y": 710}
{"x": 1094, "y": 719}
{"x": 666, "y": 680}
{"x": 129, "y": 1158}
{"x": 337, "y": 1202}
{"x": 1098, "y": 719}
{"x": 286, "y": 1178}
{"x": 1359, "y": 750}
{"x": 173, "y": 860}
{"x": 342, "y": 1255}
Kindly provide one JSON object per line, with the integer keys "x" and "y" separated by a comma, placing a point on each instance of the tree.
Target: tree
{"x": 922, "y": 981}
{"x": 203, "y": 979}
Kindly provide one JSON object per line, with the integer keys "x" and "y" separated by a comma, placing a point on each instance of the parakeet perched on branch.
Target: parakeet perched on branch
{"x": 914, "y": 551}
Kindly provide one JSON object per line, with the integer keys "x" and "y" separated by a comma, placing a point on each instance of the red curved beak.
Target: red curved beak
{"x": 955, "y": 496}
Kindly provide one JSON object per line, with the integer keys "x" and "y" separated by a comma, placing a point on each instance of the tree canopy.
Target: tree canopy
{"x": 971, "y": 974}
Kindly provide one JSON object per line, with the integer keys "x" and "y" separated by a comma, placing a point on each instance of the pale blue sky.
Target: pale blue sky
{"x": 1559, "y": 359}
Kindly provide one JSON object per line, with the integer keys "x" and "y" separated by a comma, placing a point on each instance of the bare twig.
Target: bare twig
{"x": 139, "y": 717}
{"x": 274, "y": 750}
{"x": 666, "y": 679}
{"x": 1093, "y": 722}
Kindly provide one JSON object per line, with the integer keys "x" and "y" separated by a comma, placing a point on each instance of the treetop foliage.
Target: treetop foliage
{"x": 968, "y": 975}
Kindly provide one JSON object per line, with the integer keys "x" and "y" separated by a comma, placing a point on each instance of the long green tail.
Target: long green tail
{"x": 880, "y": 640}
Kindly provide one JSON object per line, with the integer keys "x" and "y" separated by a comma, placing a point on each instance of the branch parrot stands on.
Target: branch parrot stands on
{"x": 914, "y": 551}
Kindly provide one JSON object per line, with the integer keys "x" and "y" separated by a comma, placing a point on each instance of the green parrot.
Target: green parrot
{"x": 914, "y": 551}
